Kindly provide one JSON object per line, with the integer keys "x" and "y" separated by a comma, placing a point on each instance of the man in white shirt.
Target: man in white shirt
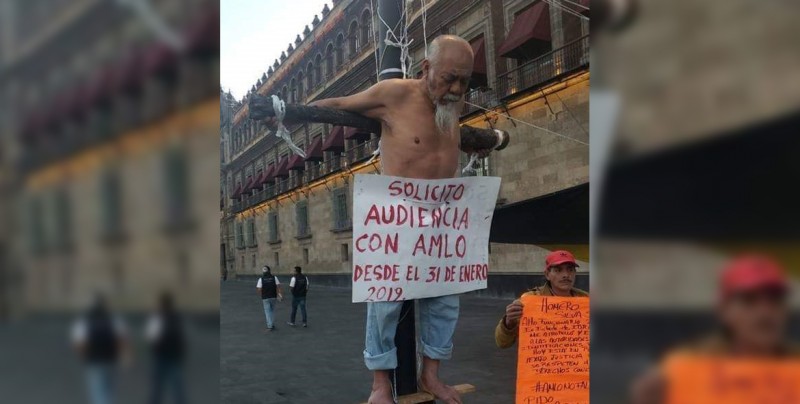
{"x": 269, "y": 289}
{"x": 100, "y": 338}
{"x": 299, "y": 288}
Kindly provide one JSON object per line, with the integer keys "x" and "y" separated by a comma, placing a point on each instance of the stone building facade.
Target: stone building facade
{"x": 110, "y": 133}
{"x": 531, "y": 64}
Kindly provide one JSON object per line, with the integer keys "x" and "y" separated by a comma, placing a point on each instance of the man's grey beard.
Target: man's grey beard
{"x": 447, "y": 114}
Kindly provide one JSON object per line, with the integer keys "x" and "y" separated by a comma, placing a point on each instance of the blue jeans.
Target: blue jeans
{"x": 299, "y": 301}
{"x": 167, "y": 374}
{"x": 100, "y": 381}
{"x": 437, "y": 323}
{"x": 269, "y": 308}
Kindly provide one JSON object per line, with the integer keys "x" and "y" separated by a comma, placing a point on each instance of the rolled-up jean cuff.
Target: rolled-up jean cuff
{"x": 384, "y": 361}
{"x": 436, "y": 353}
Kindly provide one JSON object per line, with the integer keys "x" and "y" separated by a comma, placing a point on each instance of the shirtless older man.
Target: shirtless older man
{"x": 419, "y": 139}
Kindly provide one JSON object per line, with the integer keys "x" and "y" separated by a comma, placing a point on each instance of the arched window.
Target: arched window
{"x": 285, "y": 94}
{"x": 329, "y": 62}
{"x": 339, "y": 50}
{"x": 310, "y": 76}
{"x": 353, "y": 42}
{"x": 293, "y": 91}
{"x": 318, "y": 68}
{"x": 301, "y": 94}
{"x": 366, "y": 28}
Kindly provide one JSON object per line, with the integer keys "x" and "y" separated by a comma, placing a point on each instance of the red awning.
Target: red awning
{"x": 296, "y": 162}
{"x": 531, "y": 24}
{"x": 50, "y": 118}
{"x": 269, "y": 175}
{"x": 130, "y": 72}
{"x": 282, "y": 169}
{"x": 71, "y": 103}
{"x": 259, "y": 181}
{"x": 479, "y": 61}
{"x": 584, "y": 3}
{"x": 160, "y": 59}
{"x": 249, "y": 185}
{"x": 31, "y": 127}
{"x": 237, "y": 192}
{"x": 65, "y": 103}
{"x": 203, "y": 35}
{"x": 314, "y": 151}
{"x": 99, "y": 87}
{"x": 356, "y": 134}
{"x": 335, "y": 140}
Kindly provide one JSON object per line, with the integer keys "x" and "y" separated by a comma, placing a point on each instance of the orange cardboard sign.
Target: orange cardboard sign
{"x": 699, "y": 379}
{"x": 553, "y": 357}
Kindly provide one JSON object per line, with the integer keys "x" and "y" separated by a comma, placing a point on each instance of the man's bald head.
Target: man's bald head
{"x": 450, "y": 47}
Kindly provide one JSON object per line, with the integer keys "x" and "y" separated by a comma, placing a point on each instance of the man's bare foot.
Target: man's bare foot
{"x": 431, "y": 384}
{"x": 381, "y": 388}
{"x": 381, "y": 396}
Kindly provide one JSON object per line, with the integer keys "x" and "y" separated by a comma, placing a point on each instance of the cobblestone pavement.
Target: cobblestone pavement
{"x": 324, "y": 363}
{"x": 38, "y": 365}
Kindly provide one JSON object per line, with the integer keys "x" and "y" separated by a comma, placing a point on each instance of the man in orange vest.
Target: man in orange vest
{"x": 559, "y": 272}
{"x": 753, "y": 314}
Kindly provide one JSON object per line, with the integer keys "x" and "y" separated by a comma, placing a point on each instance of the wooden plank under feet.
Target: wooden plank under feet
{"x": 422, "y": 397}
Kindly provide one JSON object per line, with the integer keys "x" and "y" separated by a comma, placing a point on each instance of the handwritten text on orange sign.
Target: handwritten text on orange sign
{"x": 553, "y": 361}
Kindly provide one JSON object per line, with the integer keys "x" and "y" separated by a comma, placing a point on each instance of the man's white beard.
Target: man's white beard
{"x": 447, "y": 117}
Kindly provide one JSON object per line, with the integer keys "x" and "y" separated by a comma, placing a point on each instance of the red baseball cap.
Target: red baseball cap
{"x": 752, "y": 273}
{"x": 559, "y": 257}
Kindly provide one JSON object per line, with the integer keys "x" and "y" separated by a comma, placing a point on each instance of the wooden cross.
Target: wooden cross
{"x": 472, "y": 138}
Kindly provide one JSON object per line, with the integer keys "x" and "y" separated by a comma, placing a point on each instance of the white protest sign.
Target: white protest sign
{"x": 415, "y": 238}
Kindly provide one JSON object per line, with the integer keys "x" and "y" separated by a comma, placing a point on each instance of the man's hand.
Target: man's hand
{"x": 513, "y": 314}
{"x": 271, "y": 124}
{"x": 649, "y": 388}
{"x": 483, "y": 153}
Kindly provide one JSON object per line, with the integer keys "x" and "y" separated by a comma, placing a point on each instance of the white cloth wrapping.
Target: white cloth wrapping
{"x": 280, "y": 112}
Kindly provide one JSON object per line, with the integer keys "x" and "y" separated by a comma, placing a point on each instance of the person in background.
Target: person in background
{"x": 269, "y": 288}
{"x": 559, "y": 272}
{"x": 100, "y": 339}
{"x": 752, "y": 316}
{"x": 299, "y": 287}
{"x": 164, "y": 332}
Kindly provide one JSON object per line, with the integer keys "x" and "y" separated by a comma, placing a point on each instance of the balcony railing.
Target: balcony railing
{"x": 362, "y": 151}
{"x": 331, "y": 166}
{"x": 544, "y": 68}
{"x": 531, "y": 74}
{"x": 485, "y": 97}
{"x": 312, "y": 172}
{"x": 281, "y": 185}
{"x": 288, "y": 184}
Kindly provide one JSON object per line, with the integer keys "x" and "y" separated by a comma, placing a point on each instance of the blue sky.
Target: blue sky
{"x": 253, "y": 33}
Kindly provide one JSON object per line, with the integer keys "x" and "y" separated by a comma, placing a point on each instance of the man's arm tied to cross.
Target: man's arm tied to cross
{"x": 419, "y": 139}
